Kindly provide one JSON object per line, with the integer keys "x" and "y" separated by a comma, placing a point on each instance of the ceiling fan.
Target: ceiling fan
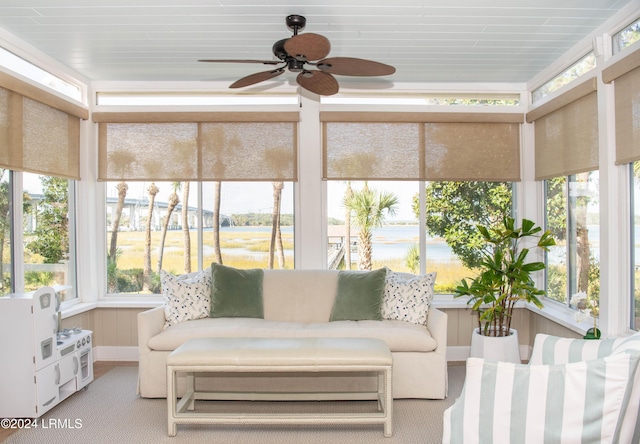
{"x": 301, "y": 52}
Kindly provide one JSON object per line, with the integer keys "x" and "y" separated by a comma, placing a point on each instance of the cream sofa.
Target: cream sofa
{"x": 298, "y": 303}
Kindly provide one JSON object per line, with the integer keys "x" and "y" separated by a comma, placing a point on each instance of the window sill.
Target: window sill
{"x": 552, "y": 311}
{"x": 82, "y": 307}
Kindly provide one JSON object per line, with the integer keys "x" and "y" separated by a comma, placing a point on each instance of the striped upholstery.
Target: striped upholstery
{"x": 572, "y": 391}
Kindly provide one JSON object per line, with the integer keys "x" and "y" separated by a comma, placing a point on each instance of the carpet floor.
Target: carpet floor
{"x": 109, "y": 411}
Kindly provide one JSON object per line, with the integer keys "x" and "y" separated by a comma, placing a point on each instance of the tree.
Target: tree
{"x": 186, "y": 236}
{"x": 122, "y": 188}
{"x": 453, "y": 209}
{"x": 217, "y": 251}
{"x": 172, "y": 203}
{"x": 146, "y": 272}
{"x": 276, "y": 234}
{"x": 369, "y": 207}
{"x": 52, "y": 222}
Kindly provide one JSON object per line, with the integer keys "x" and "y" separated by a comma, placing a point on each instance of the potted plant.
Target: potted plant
{"x": 504, "y": 280}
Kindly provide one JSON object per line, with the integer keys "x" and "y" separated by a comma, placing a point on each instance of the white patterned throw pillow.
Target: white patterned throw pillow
{"x": 407, "y": 297}
{"x": 186, "y": 297}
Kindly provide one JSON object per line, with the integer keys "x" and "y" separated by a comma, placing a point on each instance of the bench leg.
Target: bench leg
{"x": 172, "y": 427}
{"x": 388, "y": 403}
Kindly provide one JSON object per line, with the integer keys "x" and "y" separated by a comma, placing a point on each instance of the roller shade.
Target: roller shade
{"x": 566, "y": 133}
{"x": 421, "y": 146}
{"x": 198, "y": 146}
{"x": 373, "y": 151}
{"x": 487, "y": 152}
{"x": 625, "y": 74}
{"x": 38, "y": 138}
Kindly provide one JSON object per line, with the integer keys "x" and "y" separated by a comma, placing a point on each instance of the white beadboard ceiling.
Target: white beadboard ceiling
{"x": 426, "y": 40}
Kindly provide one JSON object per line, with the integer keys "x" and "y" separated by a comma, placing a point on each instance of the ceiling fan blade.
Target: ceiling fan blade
{"x": 318, "y": 82}
{"x": 351, "y": 66}
{"x": 264, "y": 62}
{"x": 308, "y": 46}
{"x": 256, "y": 78}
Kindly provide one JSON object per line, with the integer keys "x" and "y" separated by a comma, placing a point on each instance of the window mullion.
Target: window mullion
{"x": 17, "y": 232}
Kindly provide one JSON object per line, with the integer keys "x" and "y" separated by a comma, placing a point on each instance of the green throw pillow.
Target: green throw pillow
{"x": 359, "y": 295}
{"x": 236, "y": 293}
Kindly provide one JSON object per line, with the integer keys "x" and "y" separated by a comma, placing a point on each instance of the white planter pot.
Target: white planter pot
{"x": 505, "y": 348}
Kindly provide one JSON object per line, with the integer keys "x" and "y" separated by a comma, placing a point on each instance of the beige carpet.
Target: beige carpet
{"x": 110, "y": 412}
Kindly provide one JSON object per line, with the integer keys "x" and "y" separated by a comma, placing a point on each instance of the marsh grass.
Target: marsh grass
{"x": 250, "y": 250}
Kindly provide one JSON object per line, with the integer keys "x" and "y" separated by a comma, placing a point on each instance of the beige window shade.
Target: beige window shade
{"x": 37, "y": 138}
{"x": 627, "y": 108}
{"x": 421, "y": 146}
{"x": 249, "y": 151}
{"x": 148, "y": 151}
{"x": 372, "y": 151}
{"x": 626, "y": 74}
{"x": 472, "y": 152}
{"x": 242, "y": 151}
{"x": 566, "y": 140}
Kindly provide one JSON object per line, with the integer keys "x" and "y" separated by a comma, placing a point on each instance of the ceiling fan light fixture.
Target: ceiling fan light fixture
{"x": 295, "y": 65}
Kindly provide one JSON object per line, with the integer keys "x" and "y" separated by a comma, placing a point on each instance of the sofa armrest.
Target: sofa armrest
{"x": 150, "y": 323}
{"x": 437, "y": 326}
{"x": 549, "y": 350}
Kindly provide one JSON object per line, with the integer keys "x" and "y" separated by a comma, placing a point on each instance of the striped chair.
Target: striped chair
{"x": 572, "y": 391}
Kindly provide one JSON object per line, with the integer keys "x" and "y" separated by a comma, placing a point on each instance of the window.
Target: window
{"x": 49, "y": 234}
{"x": 578, "y": 69}
{"x": 150, "y": 228}
{"x": 626, "y": 37}
{"x": 572, "y": 213}
{"x": 39, "y": 75}
{"x": 187, "y": 99}
{"x": 377, "y": 221}
{"x": 496, "y": 99}
{"x": 452, "y": 211}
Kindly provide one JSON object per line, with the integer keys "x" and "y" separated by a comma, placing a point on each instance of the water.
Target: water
{"x": 389, "y": 242}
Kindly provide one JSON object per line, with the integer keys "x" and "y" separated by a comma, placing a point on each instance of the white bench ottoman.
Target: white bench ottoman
{"x": 277, "y": 355}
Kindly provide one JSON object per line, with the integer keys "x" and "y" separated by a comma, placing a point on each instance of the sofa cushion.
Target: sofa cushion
{"x": 407, "y": 297}
{"x": 299, "y": 295}
{"x": 236, "y": 293}
{"x": 186, "y": 297}
{"x": 359, "y": 295}
{"x": 399, "y": 336}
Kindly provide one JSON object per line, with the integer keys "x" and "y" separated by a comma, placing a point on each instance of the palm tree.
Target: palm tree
{"x": 369, "y": 207}
{"x": 217, "y": 189}
{"x": 172, "y": 203}
{"x": 122, "y": 188}
{"x": 146, "y": 272}
{"x": 276, "y": 234}
{"x": 185, "y": 227}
